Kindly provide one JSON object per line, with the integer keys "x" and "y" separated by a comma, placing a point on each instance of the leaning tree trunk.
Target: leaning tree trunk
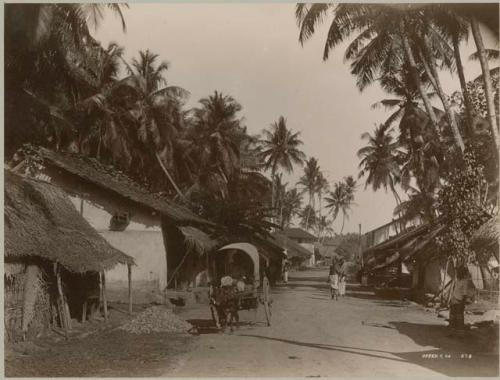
{"x": 418, "y": 81}
{"x": 488, "y": 87}
{"x": 430, "y": 65}
{"x": 463, "y": 82}
{"x": 169, "y": 176}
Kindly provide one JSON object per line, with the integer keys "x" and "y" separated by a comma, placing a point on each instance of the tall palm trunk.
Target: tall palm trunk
{"x": 343, "y": 221}
{"x": 174, "y": 185}
{"x": 273, "y": 194}
{"x": 430, "y": 68}
{"x": 319, "y": 214}
{"x": 273, "y": 187}
{"x": 463, "y": 82}
{"x": 416, "y": 78}
{"x": 488, "y": 88}
{"x": 309, "y": 210}
{"x": 398, "y": 203}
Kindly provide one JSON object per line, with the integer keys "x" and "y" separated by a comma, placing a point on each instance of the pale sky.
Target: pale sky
{"x": 251, "y": 51}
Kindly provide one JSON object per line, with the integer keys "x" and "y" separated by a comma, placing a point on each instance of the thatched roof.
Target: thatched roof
{"x": 293, "y": 248}
{"x": 197, "y": 240}
{"x": 486, "y": 237}
{"x": 110, "y": 179}
{"x": 41, "y": 221}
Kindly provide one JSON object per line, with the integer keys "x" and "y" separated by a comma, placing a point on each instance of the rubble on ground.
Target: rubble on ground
{"x": 156, "y": 319}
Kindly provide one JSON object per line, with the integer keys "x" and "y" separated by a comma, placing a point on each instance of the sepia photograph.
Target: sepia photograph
{"x": 267, "y": 189}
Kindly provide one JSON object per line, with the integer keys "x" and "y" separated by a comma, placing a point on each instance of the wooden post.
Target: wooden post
{"x": 68, "y": 315}
{"x": 61, "y": 308}
{"x": 129, "y": 267}
{"x": 84, "y": 311}
{"x": 104, "y": 300}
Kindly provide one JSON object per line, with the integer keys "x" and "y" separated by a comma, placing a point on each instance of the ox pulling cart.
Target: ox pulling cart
{"x": 230, "y": 297}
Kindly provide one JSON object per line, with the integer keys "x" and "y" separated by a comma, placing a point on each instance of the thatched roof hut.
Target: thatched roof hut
{"x": 40, "y": 221}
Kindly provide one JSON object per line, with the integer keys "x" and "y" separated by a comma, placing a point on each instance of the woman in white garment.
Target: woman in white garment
{"x": 333, "y": 279}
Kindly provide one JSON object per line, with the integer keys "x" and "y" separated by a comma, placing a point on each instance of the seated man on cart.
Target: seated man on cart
{"x": 224, "y": 303}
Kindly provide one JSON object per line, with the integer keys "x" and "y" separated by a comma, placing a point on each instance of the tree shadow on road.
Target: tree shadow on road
{"x": 437, "y": 336}
{"x": 455, "y": 356}
{"x": 352, "y": 350}
{"x": 442, "y": 360}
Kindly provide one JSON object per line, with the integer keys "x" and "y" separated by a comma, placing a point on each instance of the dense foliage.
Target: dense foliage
{"x": 462, "y": 201}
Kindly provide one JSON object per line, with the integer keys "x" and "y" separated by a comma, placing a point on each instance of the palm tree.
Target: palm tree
{"x": 144, "y": 109}
{"x": 217, "y": 134}
{"x": 322, "y": 186}
{"x": 475, "y": 14}
{"x": 350, "y": 187}
{"x": 381, "y": 42}
{"x": 454, "y": 20}
{"x": 308, "y": 217}
{"x": 420, "y": 204}
{"x": 401, "y": 85}
{"x": 49, "y": 61}
{"x": 454, "y": 28}
{"x": 35, "y": 23}
{"x": 280, "y": 191}
{"x": 323, "y": 227}
{"x": 309, "y": 181}
{"x": 341, "y": 199}
{"x": 151, "y": 74}
{"x": 429, "y": 44}
{"x": 422, "y": 155}
{"x": 292, "y": 202}
{"x": 491, "y": 55}
{"x": 483, "y": 59}
{"x": 280, "y": 149}
{"x": 380, "y": 160}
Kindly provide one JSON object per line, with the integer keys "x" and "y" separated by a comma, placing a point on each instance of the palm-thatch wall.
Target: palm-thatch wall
{"x": 42, "y": 228}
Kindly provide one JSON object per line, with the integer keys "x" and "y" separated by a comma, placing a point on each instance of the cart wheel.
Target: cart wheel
{"x": 267, "y": 301}
{"x": 267, "y": 310}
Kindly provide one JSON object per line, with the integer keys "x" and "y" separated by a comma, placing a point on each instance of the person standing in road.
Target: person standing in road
{"x": 460, "y": 296}
{"x": 333, "y": 280}
{"x": 286, "y": 268}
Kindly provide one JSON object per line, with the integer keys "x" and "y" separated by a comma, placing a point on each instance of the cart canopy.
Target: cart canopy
{"x": 251, "y": 251}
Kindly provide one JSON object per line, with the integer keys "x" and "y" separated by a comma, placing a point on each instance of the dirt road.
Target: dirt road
{"x": 313, "y": 336}
{"x": 310, "y": 336}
